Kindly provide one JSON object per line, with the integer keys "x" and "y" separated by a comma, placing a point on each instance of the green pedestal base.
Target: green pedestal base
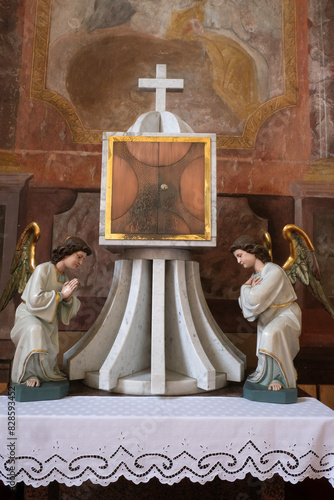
{"x": 46, "y": 391}
{"x": 260, "y": 393}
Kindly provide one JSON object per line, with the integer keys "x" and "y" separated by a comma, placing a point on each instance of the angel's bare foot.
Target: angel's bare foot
{"x": 33, "y": 382}
{"x": 275, "y": 386}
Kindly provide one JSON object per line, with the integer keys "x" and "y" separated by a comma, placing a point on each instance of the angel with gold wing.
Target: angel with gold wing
{"x": 47, "y": 295}
{"x": 302, "y": 265}
{"x": 23, "y": 263}
{"x": 268, "y": 297}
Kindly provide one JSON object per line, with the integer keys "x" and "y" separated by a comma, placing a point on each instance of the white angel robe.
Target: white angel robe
{"x": 35, "y": 332}
{"x": 272, "y": 303}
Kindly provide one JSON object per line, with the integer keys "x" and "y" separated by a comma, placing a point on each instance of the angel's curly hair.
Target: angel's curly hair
{"x": 71, "y": 245}
{"x": 249, "y": 245}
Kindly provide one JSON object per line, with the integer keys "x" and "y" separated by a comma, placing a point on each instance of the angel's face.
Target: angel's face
{"x": 75, "y": 260}
{"x": 245, "y": 259}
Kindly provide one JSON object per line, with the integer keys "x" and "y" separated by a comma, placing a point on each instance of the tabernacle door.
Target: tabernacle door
{"x": 159, "y": 189}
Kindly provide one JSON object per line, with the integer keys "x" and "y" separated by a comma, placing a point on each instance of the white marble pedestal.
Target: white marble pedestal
{"x": 155, "y": 334}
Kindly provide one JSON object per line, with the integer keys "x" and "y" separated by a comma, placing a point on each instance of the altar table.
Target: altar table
{"x": 102, "y": 438}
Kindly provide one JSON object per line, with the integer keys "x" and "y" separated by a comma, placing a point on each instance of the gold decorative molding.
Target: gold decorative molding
{"x": 8, "y": 162}
{"x": 38, "y": 88}
{"x": 322, "y": 170}
{"x": 252, "y": 125}
{"x": 288, "y": 99}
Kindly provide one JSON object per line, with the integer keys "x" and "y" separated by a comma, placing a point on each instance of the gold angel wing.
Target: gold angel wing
{"x": 302, "y": 265}
{"x": 268, "y": 245}
{"x": 23, "y": 263}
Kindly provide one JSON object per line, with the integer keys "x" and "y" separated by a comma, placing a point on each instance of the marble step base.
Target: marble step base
{"x": 155, "y": 316}
{"x": 139, "y": 384}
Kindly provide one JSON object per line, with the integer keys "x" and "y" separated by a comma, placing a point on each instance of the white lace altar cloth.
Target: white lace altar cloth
{"x": 102, "y": 438}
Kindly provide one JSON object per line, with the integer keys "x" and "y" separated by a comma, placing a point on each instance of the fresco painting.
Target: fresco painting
{"x": 97, "y": 50}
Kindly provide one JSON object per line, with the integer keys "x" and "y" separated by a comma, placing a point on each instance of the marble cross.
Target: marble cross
{"x": 160, "y": 84}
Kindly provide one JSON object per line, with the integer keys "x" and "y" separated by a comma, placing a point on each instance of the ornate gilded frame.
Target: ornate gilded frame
{"x": 252, "y": 125}
{"x": 206, "y": 236}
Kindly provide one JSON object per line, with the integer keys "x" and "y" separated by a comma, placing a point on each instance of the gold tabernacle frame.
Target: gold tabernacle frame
{"x": 207, "y": 233}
